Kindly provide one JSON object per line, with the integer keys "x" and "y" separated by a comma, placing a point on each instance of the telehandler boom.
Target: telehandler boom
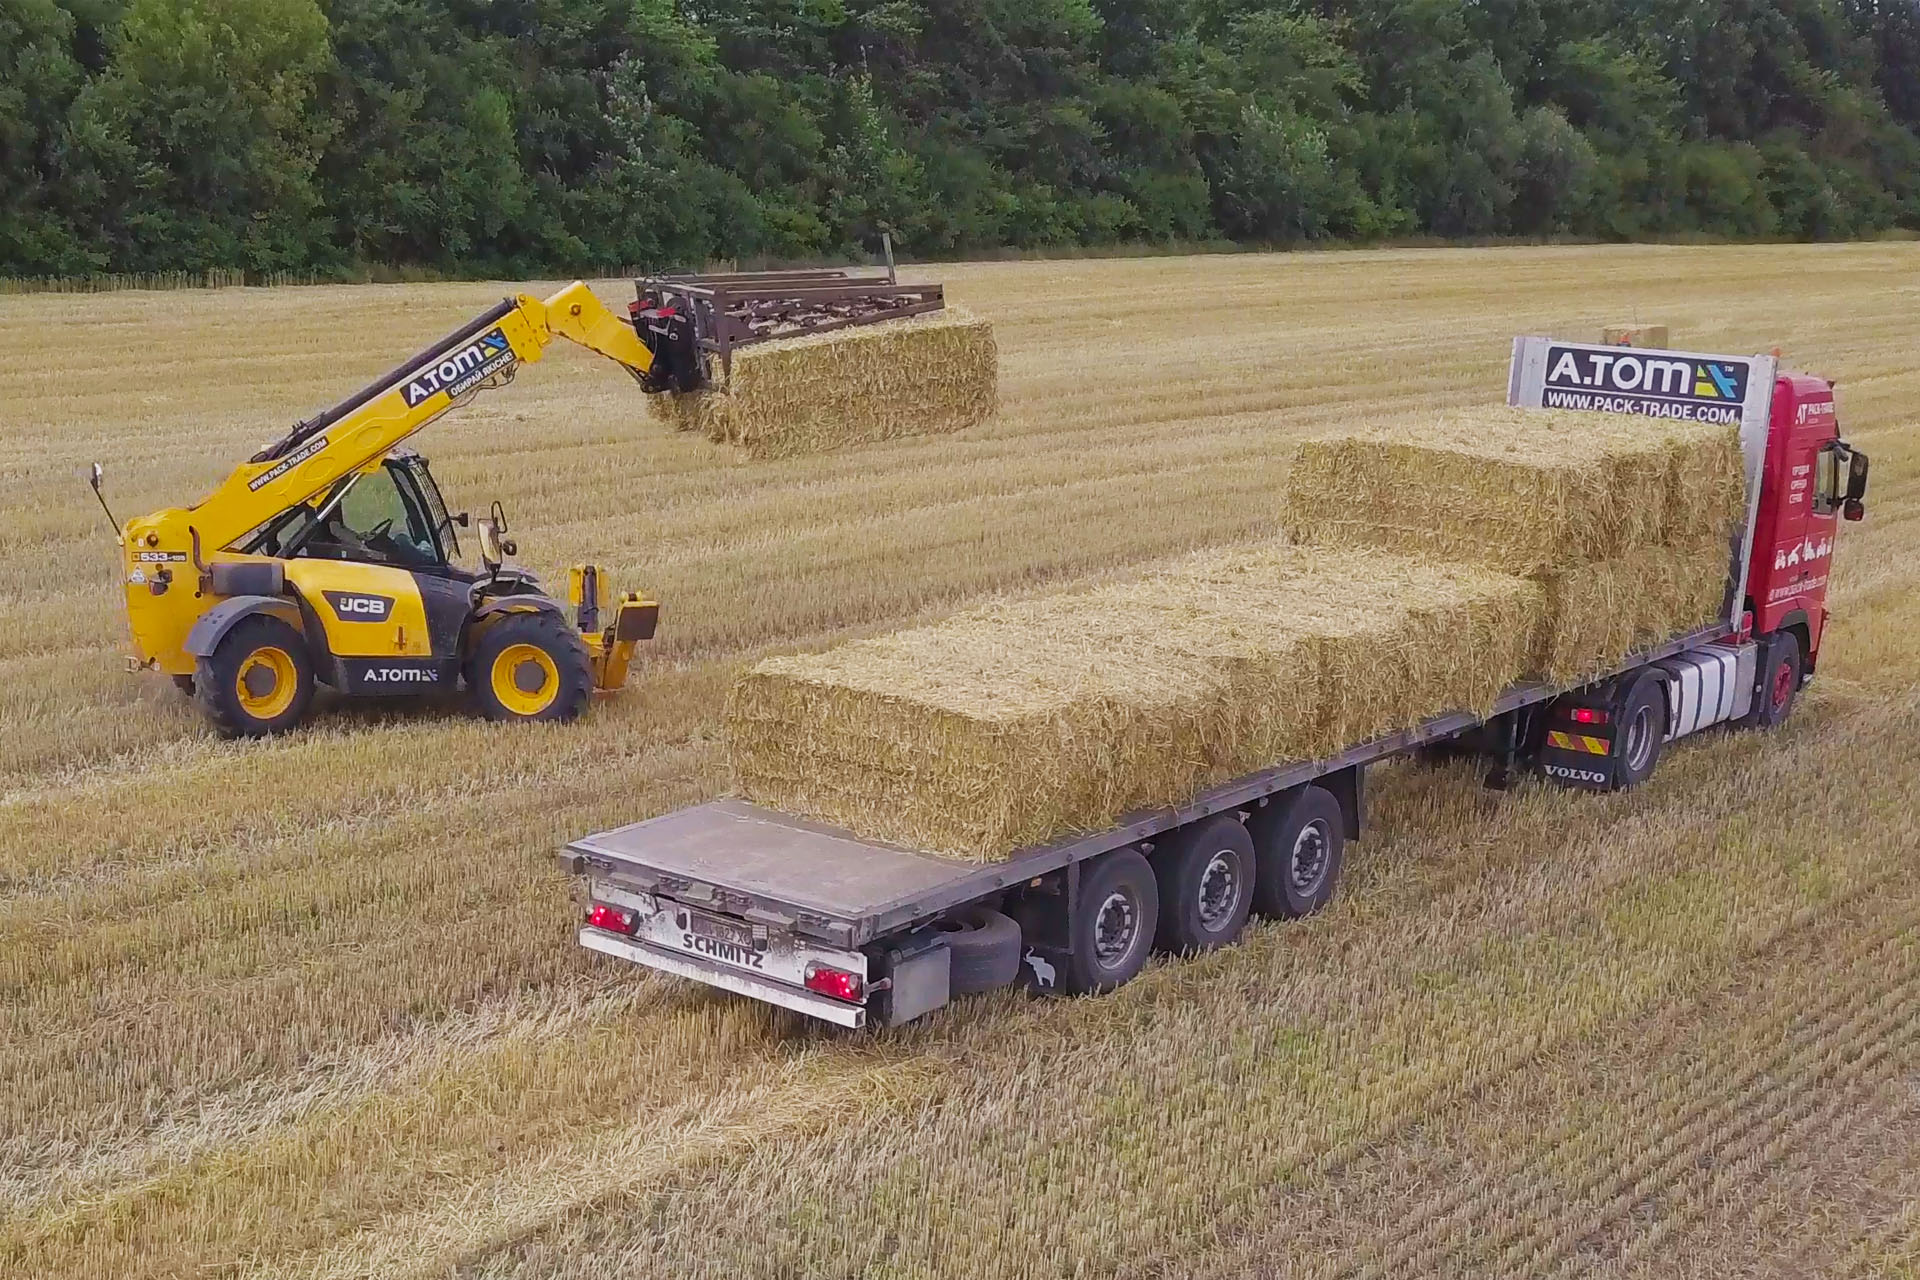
{"x": 329, "y": 555}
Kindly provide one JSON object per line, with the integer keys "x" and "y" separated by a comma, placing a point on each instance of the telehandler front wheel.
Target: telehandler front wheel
{"x": 530, "y": 666}
{"x": 258, "y": 680}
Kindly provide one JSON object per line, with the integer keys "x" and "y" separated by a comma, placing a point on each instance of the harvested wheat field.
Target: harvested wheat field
{"x": 310, "y": 1008}
{"x": 923, "y": 375}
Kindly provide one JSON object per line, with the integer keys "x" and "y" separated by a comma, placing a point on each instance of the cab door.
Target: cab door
{"x": 1793, "y": 534}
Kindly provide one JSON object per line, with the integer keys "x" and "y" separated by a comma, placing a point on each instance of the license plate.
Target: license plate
{"x": 716, "y": 929}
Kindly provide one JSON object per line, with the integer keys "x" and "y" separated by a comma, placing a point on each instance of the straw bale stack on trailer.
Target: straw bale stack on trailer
{"x": 922, "y": 375}
{"x": 1026, "y": 720}
{"x": 1625, "y": 521}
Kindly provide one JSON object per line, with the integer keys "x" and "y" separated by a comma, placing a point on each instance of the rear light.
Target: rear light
{"x": 612, "y": 919}
{"x": 1588, "y": 715}
{"x": 837, "y": 983}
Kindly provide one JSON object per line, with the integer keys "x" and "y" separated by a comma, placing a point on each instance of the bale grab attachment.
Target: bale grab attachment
{"x": 696, "y": 322}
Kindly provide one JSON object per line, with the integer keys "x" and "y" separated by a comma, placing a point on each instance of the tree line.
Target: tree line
{"x": 528, "y": 136}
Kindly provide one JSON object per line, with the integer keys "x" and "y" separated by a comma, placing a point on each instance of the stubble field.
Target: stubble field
{"x": 310, "y": 1008}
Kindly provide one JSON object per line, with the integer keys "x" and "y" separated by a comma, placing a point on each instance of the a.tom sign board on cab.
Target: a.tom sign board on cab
{"x": 1688, "y": 385}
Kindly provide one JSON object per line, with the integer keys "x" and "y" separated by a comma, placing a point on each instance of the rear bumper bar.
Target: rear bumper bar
{"x": 685, "y": 966}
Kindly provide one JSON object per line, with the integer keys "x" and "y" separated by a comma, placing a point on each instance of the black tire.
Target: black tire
{"x": 529, "y": 666}
{"x": 1113, "y": 923}
{"x": 1205, "y": 874}
{"x": 1298, "y": 851}
{"x": 258, "y": 680}
{"x": 1638, "y": 732}
{"x": 1780, "y": 677}
{"x": 985, "y": 950}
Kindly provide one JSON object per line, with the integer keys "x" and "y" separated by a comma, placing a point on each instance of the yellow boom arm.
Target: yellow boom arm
{"x": 164, "y": 550}
{"x": 358, "y": 432}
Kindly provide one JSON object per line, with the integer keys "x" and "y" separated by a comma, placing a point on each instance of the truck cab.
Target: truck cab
{"x": 1812, "y": 479}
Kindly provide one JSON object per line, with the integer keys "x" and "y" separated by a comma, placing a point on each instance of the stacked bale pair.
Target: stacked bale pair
{"x": 1625, "y": 522}
{"x": 1017, "y": 723}
{"x": 922, "y": 375}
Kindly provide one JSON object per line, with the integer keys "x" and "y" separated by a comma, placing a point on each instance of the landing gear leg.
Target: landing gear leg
{"x": 1505, "y": 735}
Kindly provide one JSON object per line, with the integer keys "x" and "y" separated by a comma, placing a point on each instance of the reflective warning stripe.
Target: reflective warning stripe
{"x": 1578, "y": 742}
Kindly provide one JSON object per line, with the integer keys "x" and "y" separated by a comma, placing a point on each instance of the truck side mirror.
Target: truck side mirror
{"x": 1853, "y": 509}
{"x": 1856, "y": 480}
{"x": 463, "y": 520}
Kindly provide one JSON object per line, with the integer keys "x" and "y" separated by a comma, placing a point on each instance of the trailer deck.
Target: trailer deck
{"x": 826, "y": 883}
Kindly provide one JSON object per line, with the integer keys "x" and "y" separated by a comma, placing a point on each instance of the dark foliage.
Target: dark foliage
{"x": 530, "y": 136}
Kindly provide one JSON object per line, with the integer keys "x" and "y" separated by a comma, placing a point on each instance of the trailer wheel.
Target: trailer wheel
{"x": 1642, "y": 727}
{"x": 1779, "y": 681}
{"x": 1113, "y": 922}
{"x": 1299, "y": 848}
{"x": 1205, "y": 876}
{"x": 984, "y": 950}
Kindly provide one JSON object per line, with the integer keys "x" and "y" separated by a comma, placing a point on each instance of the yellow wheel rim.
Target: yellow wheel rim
{"x": 266, "y": 682}
{"x": 525, "y": 680}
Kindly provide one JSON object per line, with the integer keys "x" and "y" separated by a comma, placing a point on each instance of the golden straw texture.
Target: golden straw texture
{"x": 1521, "y": 489}
{"x": 919, "y": 376}
{"x": 1028, "y": 720}
{"x": 1597, "y": 614}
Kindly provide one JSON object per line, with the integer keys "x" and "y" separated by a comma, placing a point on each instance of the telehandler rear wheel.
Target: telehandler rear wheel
{"x": 258, "y": 680}
{"x": 530, "y": 666}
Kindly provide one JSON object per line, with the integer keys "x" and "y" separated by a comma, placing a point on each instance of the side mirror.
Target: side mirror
{"x": 93, "y": 479}
{"x": 1856, "y": 479}
{"x": 492, "y": 551}
{"x": 1853, "y": 509}
{"x": 463, "y": 520}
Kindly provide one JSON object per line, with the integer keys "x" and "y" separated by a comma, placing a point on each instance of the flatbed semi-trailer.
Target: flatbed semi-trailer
{"x": 856, "y": 932}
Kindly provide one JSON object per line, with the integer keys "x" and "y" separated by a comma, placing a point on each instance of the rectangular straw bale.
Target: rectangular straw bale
{"x": 1523, "y": 490}
{"x": 1027, "y": 720}
{"x": 816, "y": 392}
{"x": 1598, "y": 614}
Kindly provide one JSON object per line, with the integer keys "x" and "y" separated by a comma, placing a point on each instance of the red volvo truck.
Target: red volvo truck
{"x": 857, "y": 933}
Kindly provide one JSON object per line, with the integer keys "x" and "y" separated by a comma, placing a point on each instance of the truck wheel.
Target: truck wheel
{"x": 984, "y": 947}
{"x": 1640, "y": 729}
{"x": 1779, "y": 681}
{"x": 530, "y": 666}
{"x": 1113, "y": 923}
{"x": 1205, "y": 876}
{"x": 1298, "y": 849}
{"x": 258, "y": 680}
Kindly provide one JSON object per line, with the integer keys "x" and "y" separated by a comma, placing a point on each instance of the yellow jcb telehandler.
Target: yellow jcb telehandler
{"x": 330, "y": 557}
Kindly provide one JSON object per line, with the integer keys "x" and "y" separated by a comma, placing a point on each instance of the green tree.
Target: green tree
{"x": 204, "y": 134}
{"x": 39, "y": 80}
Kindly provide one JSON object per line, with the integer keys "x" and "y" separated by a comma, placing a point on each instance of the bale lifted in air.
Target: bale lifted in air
{"x": 788, "y": 362}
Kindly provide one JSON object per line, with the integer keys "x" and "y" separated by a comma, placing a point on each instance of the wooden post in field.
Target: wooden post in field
{"x": 1634, "y": 335}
